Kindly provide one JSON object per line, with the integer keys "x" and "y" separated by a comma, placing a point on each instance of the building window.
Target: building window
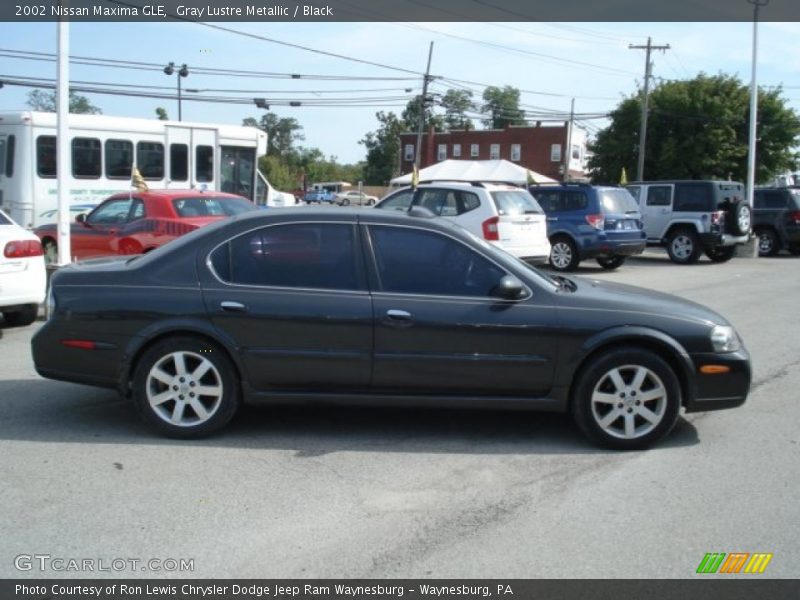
{"x": 442, "y": 153}
{"x": 576, "y": 152}
{"x": 456, "y": 150}
{"x": 408, "y": 152}
{"x": 555, "y": 153}
{"x": 516, "y": 151}
{"x": 494, "y": 151}
{"x": 474, "y": 150}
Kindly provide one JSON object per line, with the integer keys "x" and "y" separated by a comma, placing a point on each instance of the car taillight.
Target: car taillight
{"x": 490, "y": 230}
{"x": 23, "y": 249}
{"x": 596, "y": 221}
{"x": 717, "y": 218}
{"x": 795, "y": 216}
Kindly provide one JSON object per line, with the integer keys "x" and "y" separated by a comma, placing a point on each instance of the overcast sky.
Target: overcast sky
{"x": 551, "y": 62}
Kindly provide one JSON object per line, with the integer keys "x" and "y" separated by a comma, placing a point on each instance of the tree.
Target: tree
{"x": 161, "y": 113}
{"x": 503, "y": 106}
{"x": 698, "y": 129}
{"x": 410, "y": 117}
{"x": 383, "y": 149}
{"x": 282, "y": 132}
{"x": 456, "y": 104}
{"x": 46, "y": 102}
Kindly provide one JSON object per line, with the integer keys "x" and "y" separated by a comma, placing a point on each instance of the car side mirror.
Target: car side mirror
{"x": 81, "y": 218}
{"x": 509, "y": 288}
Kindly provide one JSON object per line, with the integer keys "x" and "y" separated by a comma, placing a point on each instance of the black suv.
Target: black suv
{"x": 776, "y": 220}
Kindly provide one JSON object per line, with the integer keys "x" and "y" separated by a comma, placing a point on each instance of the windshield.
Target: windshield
{"x": 618, "y": 201}
{"x": 516, "y": 202}
{"x": 210, "y": 206}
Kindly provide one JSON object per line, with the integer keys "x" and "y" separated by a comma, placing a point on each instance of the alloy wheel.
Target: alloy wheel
{"x": 184, "y": 389}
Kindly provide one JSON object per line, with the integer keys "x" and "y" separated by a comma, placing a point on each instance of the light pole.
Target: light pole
{"x": 182, "y": 72}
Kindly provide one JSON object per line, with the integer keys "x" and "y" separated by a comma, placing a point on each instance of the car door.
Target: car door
{"x": 96, "y": 235}
{"x": 438, "y": 329}
{"x": 293, "y": 299}
{"x": 656, "y": 207}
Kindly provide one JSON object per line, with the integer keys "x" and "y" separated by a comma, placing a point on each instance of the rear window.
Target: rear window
{"x": 693, "y": 197}
{"x": 211, "y": 206}
{"x": 515, "y": 202}
{"x": 617, "y": 201}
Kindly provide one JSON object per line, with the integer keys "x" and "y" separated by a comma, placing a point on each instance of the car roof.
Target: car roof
{"x": 175, "y": 194}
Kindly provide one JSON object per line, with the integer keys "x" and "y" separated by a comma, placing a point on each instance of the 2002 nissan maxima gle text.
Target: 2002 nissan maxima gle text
{"x": 383, "y": 307}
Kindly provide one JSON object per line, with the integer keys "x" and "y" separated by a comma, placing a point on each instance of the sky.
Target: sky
{"x": 551, "y": 62}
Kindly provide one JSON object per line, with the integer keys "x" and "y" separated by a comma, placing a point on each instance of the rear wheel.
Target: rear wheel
{"x": 683, "y": 247}
{"x": 720, "y": 254}
{"x": 610, "y": 262}
{"x": 345, "y": 202}
{"x": 563, "y": 254}
{"x": 50, "y": 250}
{"x": 627, "y": 399}
{"x": 21, "y": 316}
{"x": 767, "y": 242}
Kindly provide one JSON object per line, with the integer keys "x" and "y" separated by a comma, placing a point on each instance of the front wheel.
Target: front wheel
{"x": 720, "y": 254}
{"x": 611, "y": 262}
{"x": 185, "y": 387}
{"x": 683, "y": 247}
{"x": 626, "y": 399}
{"x": 345, "y": 202}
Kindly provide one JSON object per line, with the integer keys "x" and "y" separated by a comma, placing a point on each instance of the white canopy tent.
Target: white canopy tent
{"x": 474, "y": 170}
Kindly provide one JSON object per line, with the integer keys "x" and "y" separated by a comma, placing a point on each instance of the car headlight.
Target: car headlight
{"x": 725, "y": 339}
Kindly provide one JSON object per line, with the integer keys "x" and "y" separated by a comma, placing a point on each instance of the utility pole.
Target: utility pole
{"x": 568, "y": 149}
{"x": 423, "y": 103}
{"x": 645, "y": 99}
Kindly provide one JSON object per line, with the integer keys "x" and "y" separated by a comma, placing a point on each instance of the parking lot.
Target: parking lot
{"x": 356, "y": 492}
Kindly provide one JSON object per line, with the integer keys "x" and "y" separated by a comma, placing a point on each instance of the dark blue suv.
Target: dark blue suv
{"x": 589, "y": 221}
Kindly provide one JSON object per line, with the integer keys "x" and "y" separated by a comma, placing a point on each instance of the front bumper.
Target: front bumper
{"x": 720, "y": 390}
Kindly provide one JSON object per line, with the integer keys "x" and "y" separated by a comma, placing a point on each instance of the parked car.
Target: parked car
{"x": 505, "y": 215}
{"x": 588, "y": 221}
{"x": 319, "y": 196}
{"x": 776, "y": 220}
{"x": 692, "y": 217}
{"x": 23, "y": 280}
{"x": 132, "y": 223}
{"x": 355, "y": 198}
{"x": 382, "y": 307}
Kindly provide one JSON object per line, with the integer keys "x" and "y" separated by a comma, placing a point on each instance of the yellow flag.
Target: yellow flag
{"x": 623, "y": 178}
{"x": 138, "y": 182}
{"x": 415, "y": 177}
{"x": 531, "y": 178}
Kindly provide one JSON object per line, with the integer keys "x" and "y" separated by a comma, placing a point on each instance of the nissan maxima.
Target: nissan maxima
{"x": 379, "y": 307}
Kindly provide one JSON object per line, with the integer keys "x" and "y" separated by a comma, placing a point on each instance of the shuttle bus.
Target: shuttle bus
{"x": 168, "y": 154}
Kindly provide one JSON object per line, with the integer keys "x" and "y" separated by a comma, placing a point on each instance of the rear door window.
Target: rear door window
{"x": 693, "y": 197}
{"x": 659, "y": 195}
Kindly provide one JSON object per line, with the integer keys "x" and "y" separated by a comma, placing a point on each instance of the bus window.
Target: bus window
{"x": 46, "y": 156}
{"x": 178, "y": 162}
{"x": 150, "y": 159}
{"x": 236, "y": 170}
{"x": 119, "y": 158}
{"x": 204, "y": 165}
{"x": 9, "y": 156}
{"x": 86, "y": 157}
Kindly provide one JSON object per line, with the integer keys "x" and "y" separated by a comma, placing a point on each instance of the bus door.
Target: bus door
{"x": 204, "y": 169}
{"x": 238, "y": 171}
{"x": 179, "y": 157}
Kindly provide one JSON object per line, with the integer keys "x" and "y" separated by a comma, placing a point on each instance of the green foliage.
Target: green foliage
{"x": 161, "y": 113}
{"x": 503, "y": 105}
{"x": 698, "y": 129}
{"x": 410, "y": 117}
{"x": 46, "y": 102}
{"x": 456, "y": 104}
{"x": 383, "y": 149}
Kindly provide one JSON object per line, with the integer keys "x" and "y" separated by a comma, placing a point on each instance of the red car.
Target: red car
{"x": 133, "y": 223}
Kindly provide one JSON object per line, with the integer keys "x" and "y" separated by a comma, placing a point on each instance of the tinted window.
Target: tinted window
{"x": 46, "y": 156}
{"x": 573, "y": 201}
{"x": 150, "y": 159}
{"x": 316, "y": 255}
{"x": 617, "y": 201}
{"x": 86, "y": 157}
{"x": 119, "y": 159}
{"x": 112, "y": 212}
{"x": 692, "y": 197}
{"x": 770, "y": 200}
{"x": 211, "y": 207}
{"x": 515, "y": 202}
{"x": 548, "y": 200}
{"x": 178, "y": 162}
{"x": 204, "y": 164}
{"x": 659, "y": 195}
{"x": 412, "y": 261}
{"x": 470, "y": 201}
{"x": 9, "y": 155}
{"x": 399, "y": 201}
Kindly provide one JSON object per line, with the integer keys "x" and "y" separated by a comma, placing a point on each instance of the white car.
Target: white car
{"x": 355, "y": 198}
{"x": 23, "y": 279}
{"x": 504, "y": 215}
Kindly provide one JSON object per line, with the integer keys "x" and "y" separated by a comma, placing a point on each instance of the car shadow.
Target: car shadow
{"x": 57, "y": 412}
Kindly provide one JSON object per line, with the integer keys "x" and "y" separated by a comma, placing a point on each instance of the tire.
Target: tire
{"x": 21, "y": 317}
{"x": 608, "y": 401}
{"x": 611, "y": 262}
{"x": 163, "y": 391}
{"x": 50, "y": 249}
{"x": 564, "y": 254}
{"x": 345, "y": 202}
{"x": 742, "y": 219}
{"x": 721, "y": 254}
{"x": 768, "y": 244}
{"x": 683, "y": 247}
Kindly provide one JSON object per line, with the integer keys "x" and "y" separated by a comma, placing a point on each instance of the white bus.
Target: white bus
{"x": 168, "y": 154}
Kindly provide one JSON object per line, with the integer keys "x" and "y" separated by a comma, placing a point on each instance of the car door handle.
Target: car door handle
{"x": 398, "y": 318}
{"x": 229, "y": 306}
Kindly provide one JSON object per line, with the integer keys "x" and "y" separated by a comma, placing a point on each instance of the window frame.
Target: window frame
{"x": 494, "y": 151}
{"x": 106, "y": 162}
{"x": 515, "y": 152}
{"x": 75, "y": 162}
{"x": 39, "y": 140}
{"x": 456, "y": 150}
{"x": 474, "y": 150}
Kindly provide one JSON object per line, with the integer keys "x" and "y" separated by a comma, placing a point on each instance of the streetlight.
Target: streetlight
{"x": 182, "y": 72}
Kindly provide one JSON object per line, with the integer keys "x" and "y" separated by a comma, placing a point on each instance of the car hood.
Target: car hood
{"x": 593, "y": 293}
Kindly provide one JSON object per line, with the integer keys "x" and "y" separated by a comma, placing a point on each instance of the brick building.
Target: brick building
{"x": 540, "y": 148}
